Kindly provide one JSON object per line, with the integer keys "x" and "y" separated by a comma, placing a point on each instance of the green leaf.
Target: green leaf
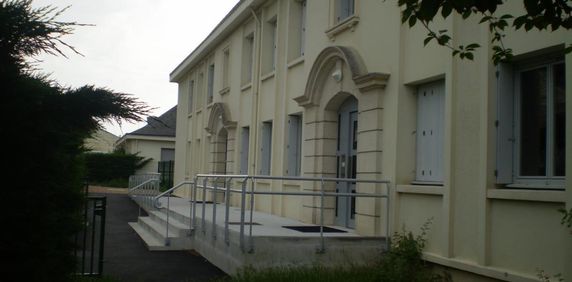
{"x": 427, "y": 40}
{"x": 473, "y": 46}
{"x": 412, "y": 21}
{"x": 446, "y": 10}
{"x": 469, "y": 56}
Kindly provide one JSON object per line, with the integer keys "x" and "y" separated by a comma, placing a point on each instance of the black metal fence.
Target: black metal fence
{"x": 167, "y": 171}
{"x": 90, "y": 241}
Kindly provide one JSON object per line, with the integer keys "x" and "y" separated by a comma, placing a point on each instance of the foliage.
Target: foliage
{"x": 544, "y": 277}
{"x": 44, "y": 128}
{"x": 113, "y": 167}
{"x": 566, "y": 217}
{"x": 540, "y": 15}
{"x": 403, "y": 262}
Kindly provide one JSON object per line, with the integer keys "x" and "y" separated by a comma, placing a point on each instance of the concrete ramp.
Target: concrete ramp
{"x": 271, "y": 242}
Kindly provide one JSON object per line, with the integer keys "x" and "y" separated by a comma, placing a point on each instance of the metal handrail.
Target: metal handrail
{"x": 245, "y": 178}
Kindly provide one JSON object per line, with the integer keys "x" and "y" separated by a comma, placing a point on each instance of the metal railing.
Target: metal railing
{"x": 143, "y": 188}
{"x": 89, "y": 241}
{"x": 168, "y": 193}
{"x": 201, "y": 181}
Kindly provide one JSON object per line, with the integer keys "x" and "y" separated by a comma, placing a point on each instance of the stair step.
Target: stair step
{"x": 152, "y": 243}
{"x": 175, "y": 224}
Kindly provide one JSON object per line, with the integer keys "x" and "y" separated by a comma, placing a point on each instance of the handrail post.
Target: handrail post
{"x": 167, "y": 241}
{"x": 242, "y": 211}
{"x": 204, "y": 198}
{"x": 322, "y": 248}
{"x": 214, "y": 207}
{"x": 252, "y": 184}
{"x": 227, "y": 211}
{"x": 193, "y": 204}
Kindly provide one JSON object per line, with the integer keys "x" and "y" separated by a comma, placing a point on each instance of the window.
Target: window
{"x": 294, "y": 145}
{"x": 244, "y": 143}
{"x": 200, "y": 89}
{"x": 167, "y": 154}
{"x": 226, "y": 69}
{"x": 296, "y": 29}
{"x": 269, "y": 47}
{"x": 429, "y": 134}
{"x": 266, "y": 148}
{"x": 210, "y": 84}
{"x": 345, "y": 9}
{"x": 247, "y": 58}
{"x": 531, "y": 124}
{"x": 191, "y": 90}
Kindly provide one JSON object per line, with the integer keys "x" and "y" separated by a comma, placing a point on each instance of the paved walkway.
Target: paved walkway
{"x": 127, "y": 258}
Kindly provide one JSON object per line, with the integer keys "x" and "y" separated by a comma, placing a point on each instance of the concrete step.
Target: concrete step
{"x": 159, "y": 232}
{"x": 176, "y": 227}
{"x": 152, "y": 243}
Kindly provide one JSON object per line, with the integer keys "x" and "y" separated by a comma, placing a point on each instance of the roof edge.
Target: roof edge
{"x": 237, "y": 14}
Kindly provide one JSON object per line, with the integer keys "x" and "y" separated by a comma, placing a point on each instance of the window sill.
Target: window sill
{"x": 209, "y": 105}
{"x": 199, "y": 110}
{"x": 264, "y": 181}
{"x": 296, "y": 62}
{"x": 246, "y": 86}
{"x": 224, "y": 91}
{"x": 349, "y": 23}
{"x": 420, "y": 189}
{"x": 267, "y": 76}
{"x": 527, "y": 195}
{"x": 190, "y": 115}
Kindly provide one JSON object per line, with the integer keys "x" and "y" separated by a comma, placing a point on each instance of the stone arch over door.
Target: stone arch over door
{"x": 221, "y": 139}
{"x": 338, "y": 73}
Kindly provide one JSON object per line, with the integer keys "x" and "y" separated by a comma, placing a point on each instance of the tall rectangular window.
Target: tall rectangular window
{"x": 533, "y": 131}
{"x": 210, "y": 83}
{"x": 269, "y": 45}
{"x": 244, "y": 151}
{"x": 430, "y": 132}
{"x": 266, "y": 148}
{"x": 302, "y": 27}
{"x": 247, "y": 58}
{"x": 273, "y": 40}
{"x": 200, "y": 90}
{"x": 294, "y": 145}
{"x": 344, "y": 9}
{"x": 191, "y": 94}
{"x": 226, "y": 69}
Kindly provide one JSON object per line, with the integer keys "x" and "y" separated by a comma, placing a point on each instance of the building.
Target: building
{"x": 156, "y": 140}
{"x": 101, "y": 141}
{"x": 340, "y": 88}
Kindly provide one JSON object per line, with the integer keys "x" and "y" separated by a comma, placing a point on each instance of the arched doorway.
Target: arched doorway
{"x": 346, "y": 156}
{"x": 220, "y": 152}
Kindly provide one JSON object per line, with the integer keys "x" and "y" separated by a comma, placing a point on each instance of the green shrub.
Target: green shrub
{"x": 112, "y": 169}
{"x": 402, "y": 263}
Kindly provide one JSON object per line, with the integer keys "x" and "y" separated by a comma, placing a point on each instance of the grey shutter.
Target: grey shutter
{"x": 266, "y": 148}
{"x": 505, "y": 124}
{"x": 430, "y": 131}
{"x": 293, "y": 146}
{"x": 245, "y": 142}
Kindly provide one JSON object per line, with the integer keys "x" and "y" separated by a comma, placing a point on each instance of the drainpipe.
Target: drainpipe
{"x": 256, "y": 84}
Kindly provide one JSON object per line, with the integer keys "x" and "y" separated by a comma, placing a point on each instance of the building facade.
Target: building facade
{"x": 340, "y": 88}
{"x": 155, "y": 140}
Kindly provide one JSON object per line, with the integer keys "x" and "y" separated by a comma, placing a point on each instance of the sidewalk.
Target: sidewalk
{"x": 127, "y": 258}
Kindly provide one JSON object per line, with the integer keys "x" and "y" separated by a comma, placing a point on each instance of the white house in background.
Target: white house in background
{"x": 101, "y": 141}
{"x": 343, "y": 88}
{"x": 156, "y": 140}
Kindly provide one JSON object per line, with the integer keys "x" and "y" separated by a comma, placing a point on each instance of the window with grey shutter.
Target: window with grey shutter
{"x": 266, "y": 148}
{"x": 294, "y": 145}
{"x": 430, "y": 132}
{"x": 210, "y": 83}
{"x": 505, "y": 124}
{"x": 244, "y": 143}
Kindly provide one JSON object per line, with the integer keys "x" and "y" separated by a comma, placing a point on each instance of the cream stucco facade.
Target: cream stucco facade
{"x": 270, "y": 60}
{"x": 101, "y": 141}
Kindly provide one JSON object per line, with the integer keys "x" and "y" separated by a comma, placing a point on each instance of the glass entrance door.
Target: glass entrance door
{"x": 346, "y": 156}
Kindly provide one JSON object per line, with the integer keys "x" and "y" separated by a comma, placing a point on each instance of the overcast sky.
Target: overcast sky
{"x": 133, "y": 46}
